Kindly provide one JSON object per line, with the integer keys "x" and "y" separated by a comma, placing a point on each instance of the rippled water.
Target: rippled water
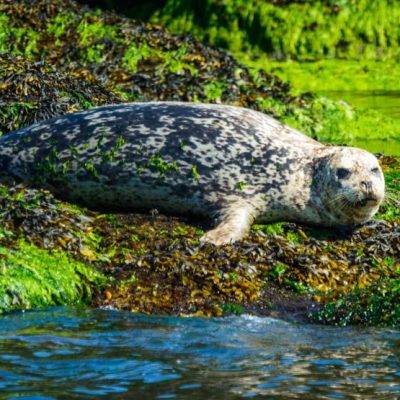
{"x": 91, "y": 354}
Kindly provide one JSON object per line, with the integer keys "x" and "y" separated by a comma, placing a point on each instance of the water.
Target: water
{"x": 386, "y": 102}
{"x": 91, "y": 354}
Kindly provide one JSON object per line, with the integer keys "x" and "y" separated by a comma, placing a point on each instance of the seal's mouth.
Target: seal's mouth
{"x": 369, "y": 201}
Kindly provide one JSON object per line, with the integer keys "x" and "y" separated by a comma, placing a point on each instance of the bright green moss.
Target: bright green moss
{"x": 32, "y": 278}
{"x": 332, "y": 75}
{"x": 304, "y": 31}
{"x": 214, "y": 90}
{"x": 61, "y": 23}
{"x": 24, "y": 40}
{"x": 173, "y": 61}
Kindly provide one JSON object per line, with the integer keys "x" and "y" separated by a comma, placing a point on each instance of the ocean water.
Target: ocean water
{"x": 68, "y": 353}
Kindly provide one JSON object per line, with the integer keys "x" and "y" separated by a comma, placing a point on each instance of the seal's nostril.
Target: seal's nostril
{"x": 367, "y": 185}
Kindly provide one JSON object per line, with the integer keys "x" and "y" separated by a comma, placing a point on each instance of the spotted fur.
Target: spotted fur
{"x": 228, "y": 163}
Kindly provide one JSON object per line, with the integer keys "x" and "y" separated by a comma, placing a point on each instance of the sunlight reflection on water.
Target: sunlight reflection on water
{"x": 86, "y": 354}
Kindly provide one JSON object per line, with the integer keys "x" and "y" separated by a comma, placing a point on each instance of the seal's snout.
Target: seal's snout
{"x": 366, "y": 186}
{"x": 368, "y": 195}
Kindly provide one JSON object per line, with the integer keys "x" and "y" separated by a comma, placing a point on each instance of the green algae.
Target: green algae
{"x": 134, "y": 54}
{"x": 214, "y": 90}
{"x": 230, "y": 308}
{"x": 93, "y": 29}
{"x": 32, "y": 278}
{"x": 299, "y": 30}
{"x": 329, "y": 120}
{"x": 348, "y": 75}
{"x": 377, "y": 305}
{"x": 147, "y": 63}
{"x": 390, "y": 209}
{"x": 137, "y": 56}
{"x": 336, "y": 122}
{"x": 314, "y": 31}
{"x": 271, "y": 229}
{"x": 195, "y": 174}
{"x": 321, "y": 118}
{"x": 241, "y": 185}
{"x": 17, "y": 40}
{"x": 60, "y": 24}
{"x": 156, "y": 163}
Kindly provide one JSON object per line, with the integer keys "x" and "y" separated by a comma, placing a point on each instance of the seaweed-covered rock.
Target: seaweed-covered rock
{"x": 32, "y": 91}
{"x": 375, "y": 305}
{"x": 146, "y": 62}
{"x": 143, "y": 62}
{"x": 301, "y": 30}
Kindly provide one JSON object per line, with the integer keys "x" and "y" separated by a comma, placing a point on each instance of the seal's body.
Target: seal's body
{"x": 224, "y": 162}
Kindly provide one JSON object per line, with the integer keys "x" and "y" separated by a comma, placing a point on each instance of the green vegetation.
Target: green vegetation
{"x": 157, "y": 265}
{"x": 195, "y": 173}
{"x": 313, "y": 30}
{"x": 260, "y": 32}
{"x": 390, "y": 209}
{"x": 173, "y": 61}
{"x": 332, "y": 75}
{"x": 378, "y": 305}
{"x": 157, "y": 164}
{"x": 236, "y": 309}
{"x": 24, "y": 39}
{"x": 33, "y": 278}
{"x": 32, "y": 91}
{"x": 146, "y": 63}
{"x": 336, "y": 122}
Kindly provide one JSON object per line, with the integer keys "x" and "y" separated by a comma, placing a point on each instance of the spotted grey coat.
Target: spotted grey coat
{"x": 223, "y": 162}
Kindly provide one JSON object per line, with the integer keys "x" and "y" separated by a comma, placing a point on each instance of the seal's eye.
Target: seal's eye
{"x": 343, "y": 173}
{"x": 375, "y": 170}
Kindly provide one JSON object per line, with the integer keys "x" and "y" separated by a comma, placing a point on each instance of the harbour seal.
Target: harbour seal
{"x": 229, "y": 163}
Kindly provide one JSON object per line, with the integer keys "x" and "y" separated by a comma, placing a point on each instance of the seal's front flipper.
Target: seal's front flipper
{"x": 234, "y": 223}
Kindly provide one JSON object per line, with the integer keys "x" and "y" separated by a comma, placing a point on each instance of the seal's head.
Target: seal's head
{"x": 351, "y": 185}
